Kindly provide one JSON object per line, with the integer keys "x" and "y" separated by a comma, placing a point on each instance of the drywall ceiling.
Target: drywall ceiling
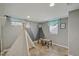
{"x": 38, "y": 11}
{"x": 73, "y": 6}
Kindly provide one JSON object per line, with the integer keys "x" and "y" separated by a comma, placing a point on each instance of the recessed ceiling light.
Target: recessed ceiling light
{"x": 51, "y": 4}
{"x": 28, "y": 16}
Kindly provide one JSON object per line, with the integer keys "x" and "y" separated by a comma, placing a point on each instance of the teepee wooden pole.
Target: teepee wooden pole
{"x": 26, "y": 38}
{"x": 31, "y": 43}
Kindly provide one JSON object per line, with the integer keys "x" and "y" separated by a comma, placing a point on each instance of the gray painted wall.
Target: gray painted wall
{"x": 62, "y": 37}
{"x": 73, "y": 34}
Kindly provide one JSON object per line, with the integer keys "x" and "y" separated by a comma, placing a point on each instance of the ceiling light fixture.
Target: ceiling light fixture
{"x": 51, "y": 4}
{"x": 28, "y": 16}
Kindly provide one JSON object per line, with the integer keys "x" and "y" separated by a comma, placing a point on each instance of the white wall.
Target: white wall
{"x": 73, "y": 32}
{"x": 1, "y": 20}
{"x": 0, "y": 33}
{"x": 1, "y": 9}
{"x": 62, "y": 37}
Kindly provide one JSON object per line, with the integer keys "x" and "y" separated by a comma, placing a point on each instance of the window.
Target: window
{"x": 53, "y": 29}
{"x": 53, "y": 26}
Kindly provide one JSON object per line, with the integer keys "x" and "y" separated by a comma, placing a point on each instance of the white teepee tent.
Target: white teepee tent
{"x": 21, "y": 45}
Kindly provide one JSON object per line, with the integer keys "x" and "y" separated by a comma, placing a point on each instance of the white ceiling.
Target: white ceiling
{"x": 73, "y": 6}
{"x": 39, "y": 11}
